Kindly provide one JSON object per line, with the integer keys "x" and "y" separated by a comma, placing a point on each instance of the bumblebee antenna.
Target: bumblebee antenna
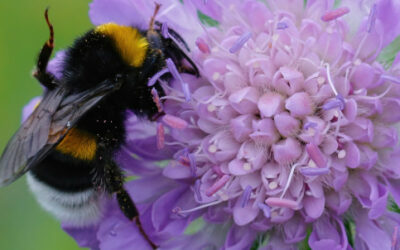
{"x": 158, "y": 6}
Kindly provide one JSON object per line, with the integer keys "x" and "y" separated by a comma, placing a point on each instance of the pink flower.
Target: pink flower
{"x": 291, "y": 126}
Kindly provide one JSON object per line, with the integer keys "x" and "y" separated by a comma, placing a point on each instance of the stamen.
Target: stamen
{"x": 193, "y": 166}
{"x": 281, "y": 26}
{"x": 313, "y": 171}
{"x": 335, "y": 14}
{"x": 156, "y": 100}
{"x": 217, "y": 185}
{"x": 371, "y": 19}
{"x": 240, "y": 42}
{"x": 164, "y": 30}
{"x": 174, "y": 122}
{"x": 290, "y": 178}
{"x": 157, "y": 76}
{"x": 186, "y": 91}
{"x": 328, "y": 73}
{"x": 373, "y": 97}
{"x": 160, "y": 136}
{"x": 246, "y": 196}
{"x": 266, "y": 209}
{"x": 202, "y": 45}
{"x": 279, "y": 202}
{"x": 174, "y": 71}
{"x": 310, "y": 125}
{"x": 316, "y": 155}
{"x": 338, "y": 102}
{"x": 393, "y": 79}
{"x": 180, "y": 211}
{"x": 197, "y": 189}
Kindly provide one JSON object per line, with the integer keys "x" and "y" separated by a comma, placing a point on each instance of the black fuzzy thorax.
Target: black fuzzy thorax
{"x": 92, "y": 59}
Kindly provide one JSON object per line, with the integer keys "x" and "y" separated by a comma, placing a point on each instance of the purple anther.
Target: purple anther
{"x": 186, "y": 91}
{"x": 193, "y": 166}
{"x": 240, "y": 42}
{"x": 281, "y": 26}
{"x": 197, "y": 190}
{"x": 266, "y": 209}
{"x": 164, "y": 30}
{"x": 157, "y": 76}
{"x": 338, "y": 102}
{"x": 371, "y": 19}
{"x": 246, "y": 196}
{"x": 174, "y": 71}
{"x": 310, "y": 125}
{"x": 308, "y": 171}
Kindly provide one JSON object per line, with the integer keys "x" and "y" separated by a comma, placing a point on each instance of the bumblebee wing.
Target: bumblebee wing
{"x": 46, "y": 126}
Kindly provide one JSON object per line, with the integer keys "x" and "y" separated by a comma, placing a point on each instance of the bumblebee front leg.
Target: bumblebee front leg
{"x": 45, "y": 78}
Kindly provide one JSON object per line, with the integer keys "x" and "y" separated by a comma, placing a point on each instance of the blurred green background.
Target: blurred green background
{"x": 23, "y": 224}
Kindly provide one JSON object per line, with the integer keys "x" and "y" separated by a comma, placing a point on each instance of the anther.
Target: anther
{"x": 371, "y": 19}
{"x": 240, "y": 42}
{"x": 335, "y": 14}
{"x": 217, "y": 185}
{"x": 157, "y": 76}
{"x": 160, "y": 136}
{"x": 156, "y": 100}
{"x": 174, "y": 121}
{"x": 281, "y": 26}
{"x": 245, "y": 196}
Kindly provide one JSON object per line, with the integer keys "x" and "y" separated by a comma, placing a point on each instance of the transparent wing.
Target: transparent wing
{"x": 46, "y": 126}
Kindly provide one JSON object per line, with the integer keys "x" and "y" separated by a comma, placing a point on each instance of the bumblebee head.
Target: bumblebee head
{"x": 129, "y": 42}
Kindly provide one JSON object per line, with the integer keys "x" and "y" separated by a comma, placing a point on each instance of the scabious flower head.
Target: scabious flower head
{"x": 287, "y": 137}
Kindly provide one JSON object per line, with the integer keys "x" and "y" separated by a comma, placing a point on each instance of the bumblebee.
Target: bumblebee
{"x": 68, "y": 143}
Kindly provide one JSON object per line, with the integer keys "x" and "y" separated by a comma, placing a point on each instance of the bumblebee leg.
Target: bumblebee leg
{"x": 114, "y": 184}
{"x": 45, "y": 78}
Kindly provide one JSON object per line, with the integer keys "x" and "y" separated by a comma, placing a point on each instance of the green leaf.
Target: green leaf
{"x": 260, "y": 241}
{"x": 392, "y": 206}
{"x": 195, "y": 226}
{"x": 206, "y": 20}
{"x": 388, "y": 54}
{"x": 304, "y": 244}
{"x": 337, "y": 3}
{"x": 350, "y": 228}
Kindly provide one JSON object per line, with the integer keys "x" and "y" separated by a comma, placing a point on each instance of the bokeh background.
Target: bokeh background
{"x": 23, "y": 224}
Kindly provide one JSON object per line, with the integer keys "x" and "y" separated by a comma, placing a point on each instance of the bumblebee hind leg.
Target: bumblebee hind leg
{"x": 112, "y": 181}
{"x": 45, "y": 78}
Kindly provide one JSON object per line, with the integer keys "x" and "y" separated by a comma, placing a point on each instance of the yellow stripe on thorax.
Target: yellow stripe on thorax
{"x": 79, "y": 144}
{"x": 130, "y": 43}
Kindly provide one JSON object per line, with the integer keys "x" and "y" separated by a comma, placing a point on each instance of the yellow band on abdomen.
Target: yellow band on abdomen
{"x": 78, "y": 144}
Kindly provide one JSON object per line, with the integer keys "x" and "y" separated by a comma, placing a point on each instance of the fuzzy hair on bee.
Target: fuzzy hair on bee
{"x": 69, "y": 141}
